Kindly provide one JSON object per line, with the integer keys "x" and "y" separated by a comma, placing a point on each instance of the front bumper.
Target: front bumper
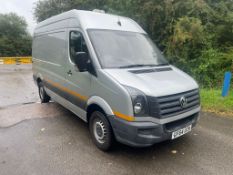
{"x": 142, "y": 134}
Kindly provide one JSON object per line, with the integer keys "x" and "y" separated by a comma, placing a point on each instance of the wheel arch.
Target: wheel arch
{"x": 98, "y": 103}
{"x": 37, "y": 78}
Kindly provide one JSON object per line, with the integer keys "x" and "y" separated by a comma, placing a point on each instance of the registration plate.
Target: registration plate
{"x": 181, "y": 132}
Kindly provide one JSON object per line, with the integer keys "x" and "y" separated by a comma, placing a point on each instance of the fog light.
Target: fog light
{"x": 137, "y": 108}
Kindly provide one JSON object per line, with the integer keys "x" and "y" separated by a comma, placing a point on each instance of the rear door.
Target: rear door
{"x": 78, "y": 83}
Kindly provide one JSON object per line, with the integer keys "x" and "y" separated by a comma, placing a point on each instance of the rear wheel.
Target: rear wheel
{"x": 101, "y": 131}
{"x": 44, "y": 98}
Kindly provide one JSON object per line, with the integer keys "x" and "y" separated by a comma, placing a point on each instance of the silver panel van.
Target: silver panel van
{"x": 106, "y": 70}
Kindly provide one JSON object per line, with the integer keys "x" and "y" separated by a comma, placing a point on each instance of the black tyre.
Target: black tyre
{"x": 101, "y": 131}
{"x": 44, "y": 98}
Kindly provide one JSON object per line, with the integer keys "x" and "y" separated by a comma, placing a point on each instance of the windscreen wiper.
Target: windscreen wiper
{"x": 137, "y": 65}
{"x": 143, "y": 65}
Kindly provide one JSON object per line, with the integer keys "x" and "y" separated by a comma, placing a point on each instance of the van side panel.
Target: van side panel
{"x": 51, "y": 27}
{"x": 49, "y": 58}
{"x": 50, "y": 61}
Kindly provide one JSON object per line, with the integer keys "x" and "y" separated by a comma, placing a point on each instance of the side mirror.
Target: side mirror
{"x": 82, "y": 60}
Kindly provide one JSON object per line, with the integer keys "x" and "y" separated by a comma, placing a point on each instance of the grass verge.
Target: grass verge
{"x": 212, "y": 101}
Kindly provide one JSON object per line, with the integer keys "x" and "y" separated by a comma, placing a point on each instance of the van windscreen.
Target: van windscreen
{"x": 122, "y": 49}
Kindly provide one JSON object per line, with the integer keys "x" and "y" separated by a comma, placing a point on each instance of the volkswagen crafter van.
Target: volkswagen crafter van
{"x": 106, "y": 70}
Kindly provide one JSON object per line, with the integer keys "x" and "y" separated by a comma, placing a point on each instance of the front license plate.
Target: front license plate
{"x": 181, "y": 132}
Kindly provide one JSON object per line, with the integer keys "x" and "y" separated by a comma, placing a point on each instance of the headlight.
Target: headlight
{"x": 137, "y": 108}
{"x": 138, "y": 101}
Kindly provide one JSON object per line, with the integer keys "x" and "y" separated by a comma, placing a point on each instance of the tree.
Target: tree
{"x": 14, "y": 37}
{"x": 187, "y": 42}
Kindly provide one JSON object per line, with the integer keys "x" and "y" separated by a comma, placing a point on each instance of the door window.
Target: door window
{"x": 77, "y": 44}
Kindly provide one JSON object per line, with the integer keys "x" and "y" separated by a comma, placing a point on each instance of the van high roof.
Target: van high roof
{"x": 88, "y": 20}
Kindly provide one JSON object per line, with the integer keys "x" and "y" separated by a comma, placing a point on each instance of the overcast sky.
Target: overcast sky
{"x": 22, "y": 8}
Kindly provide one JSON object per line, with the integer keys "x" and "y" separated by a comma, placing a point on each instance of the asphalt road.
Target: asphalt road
{"x": 46, "y": 139}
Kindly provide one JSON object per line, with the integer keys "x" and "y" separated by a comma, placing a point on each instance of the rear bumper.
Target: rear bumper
{"x": 142, "y": 134}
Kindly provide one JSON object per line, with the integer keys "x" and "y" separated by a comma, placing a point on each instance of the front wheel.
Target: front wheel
{"x": 101, "y": 131}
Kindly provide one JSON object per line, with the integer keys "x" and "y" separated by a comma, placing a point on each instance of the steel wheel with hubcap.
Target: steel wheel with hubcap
{"x": 44, "y": 98}
{"x": 101, "y": 131}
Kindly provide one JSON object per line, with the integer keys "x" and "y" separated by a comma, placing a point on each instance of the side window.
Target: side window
{"x": 77, "y": 44}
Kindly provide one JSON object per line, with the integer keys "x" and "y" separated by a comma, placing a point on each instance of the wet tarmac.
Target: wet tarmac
{"x": 47, "y": 139}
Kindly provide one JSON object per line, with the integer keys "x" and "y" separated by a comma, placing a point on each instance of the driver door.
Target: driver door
{"x": 78, "y": 83}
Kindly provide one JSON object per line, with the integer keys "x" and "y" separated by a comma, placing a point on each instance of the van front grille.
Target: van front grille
{"x": 168, "y": 106}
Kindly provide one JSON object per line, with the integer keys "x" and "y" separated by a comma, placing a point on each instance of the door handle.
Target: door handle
{"x": 69, "y": 73}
